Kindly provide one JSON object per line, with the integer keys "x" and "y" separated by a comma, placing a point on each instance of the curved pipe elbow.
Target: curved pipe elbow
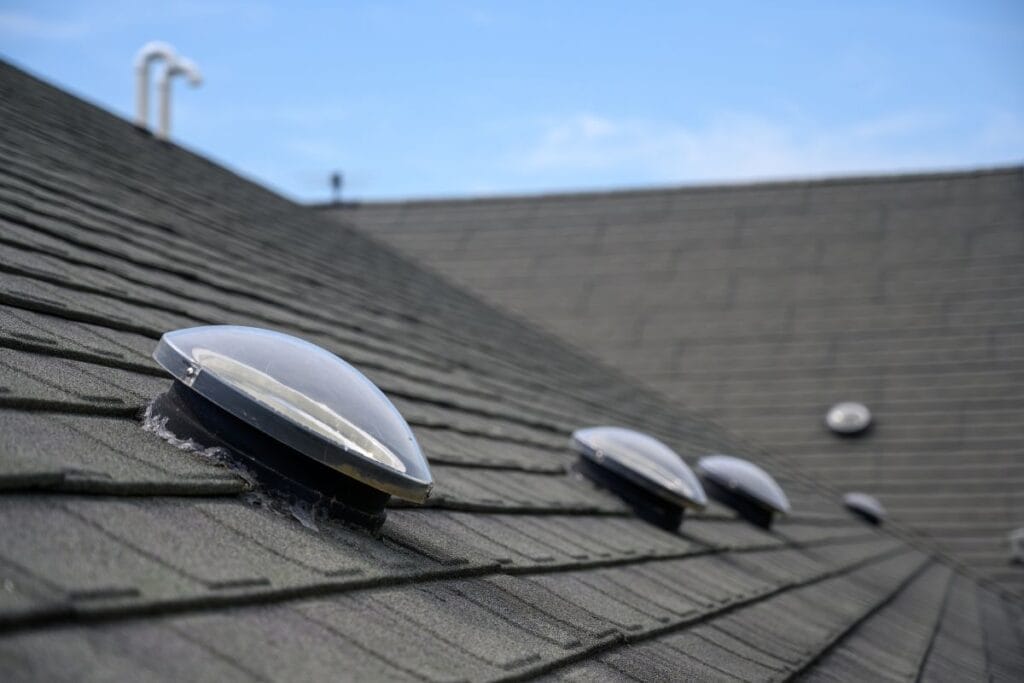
{"x": 178, "y": 67}
{"x": 182, "y": 67}
{"x": 152, "y": 51}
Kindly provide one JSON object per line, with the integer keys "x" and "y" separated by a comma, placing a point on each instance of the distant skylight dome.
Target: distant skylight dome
{"x": 643, "y": 471}
{"x": 848, "y": 418}
{"x": 252, "y": 390}
{"x": 744, "y": 487}
{"x": 1017, "y": 546}
{"x": 865, "y": 506}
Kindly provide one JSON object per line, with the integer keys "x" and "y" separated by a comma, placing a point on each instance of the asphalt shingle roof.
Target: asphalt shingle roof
{"x": 761, "y": 305}
{"x": 125, "y": 557}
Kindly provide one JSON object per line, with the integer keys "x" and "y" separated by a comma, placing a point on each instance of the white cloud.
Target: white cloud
{"x": 738, "y": 146}
{"x": 23, "y": 25}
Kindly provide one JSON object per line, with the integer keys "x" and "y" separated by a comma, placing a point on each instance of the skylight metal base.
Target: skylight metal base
{"x": 646, "y": 505}
{"x": 758, "y": 515}
{"x": 871, "y": 519}
{"x": 275, "y": 465}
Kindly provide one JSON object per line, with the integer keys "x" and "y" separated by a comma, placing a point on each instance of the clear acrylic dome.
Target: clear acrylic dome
{"x": 848, "y": 418}
{"x": 743, "y": 476}
{"x": 865, "y": 504}
{"x": 643, "y": 460}
{"x": 304, "y": 397}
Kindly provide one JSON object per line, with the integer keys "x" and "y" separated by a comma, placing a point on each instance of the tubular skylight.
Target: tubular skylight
{"x": 848, "y": 418}
{"x": 743, "y": 486}
{"x": 299, "y": 395}
{"x": 865, "y": 506}
{"x": 646, "y": 473}
{"x": 1016, "y": 539}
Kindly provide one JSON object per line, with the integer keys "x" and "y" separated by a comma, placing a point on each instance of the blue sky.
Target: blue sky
{"x": 456, "y": 98}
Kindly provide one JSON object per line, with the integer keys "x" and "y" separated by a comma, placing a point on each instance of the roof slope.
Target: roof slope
{"x": 761, "y": 305}
{"x": 123, "y": 557}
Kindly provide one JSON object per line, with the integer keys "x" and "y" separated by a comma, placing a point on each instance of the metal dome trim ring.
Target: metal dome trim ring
{"x": 643, "y": 460}
{"x": 304, "y": 397}
{"x": 746, "y": 478}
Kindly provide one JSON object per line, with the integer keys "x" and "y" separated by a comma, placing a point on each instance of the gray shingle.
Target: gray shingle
{"x": 264, "y": 643}
{"x": 893, "y": 642}
{"x": 130, "y": 652}
{"x": 70, "y": 452}
{"x": 103, "y": 568}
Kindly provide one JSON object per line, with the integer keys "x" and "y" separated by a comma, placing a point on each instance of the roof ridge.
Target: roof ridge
{"x": 698, "y": 187}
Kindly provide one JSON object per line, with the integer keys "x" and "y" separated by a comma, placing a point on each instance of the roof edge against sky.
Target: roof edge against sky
{"x": 709, "y": 186}
{"x": 183, "y": 146}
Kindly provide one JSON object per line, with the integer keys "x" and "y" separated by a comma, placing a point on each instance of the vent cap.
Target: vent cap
{"x": 646, "y": 473}
{"x": 848, "y": 418}
{"x": 865, "y": 506}
{"x": 303, "y": 397}
{"x": 743, "y": 486}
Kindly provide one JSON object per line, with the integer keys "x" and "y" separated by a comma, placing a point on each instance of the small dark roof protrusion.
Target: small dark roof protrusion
{"x": 337, "y": 182}
{"x": 743, "y": 486}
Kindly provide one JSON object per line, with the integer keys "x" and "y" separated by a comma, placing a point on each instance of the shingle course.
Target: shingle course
{"x": 69, "y": 452}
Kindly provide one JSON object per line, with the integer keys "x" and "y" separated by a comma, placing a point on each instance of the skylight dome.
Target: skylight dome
{"x": 865, "y": 506}
{"x": 1017, "y": 546}
{"x": 646, "y": 473}
{"x": 744, "y": 487}
{"x": 848, "y": 418}
{"x": 297, "y": 394}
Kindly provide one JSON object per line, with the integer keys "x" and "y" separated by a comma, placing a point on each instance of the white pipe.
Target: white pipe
{"x": 150, "y": 52}
{"x": 178, "y": 67}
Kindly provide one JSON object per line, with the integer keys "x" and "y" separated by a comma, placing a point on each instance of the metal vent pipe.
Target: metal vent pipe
{"x": 179, "y": 67}
{"x": 151, "y": 52}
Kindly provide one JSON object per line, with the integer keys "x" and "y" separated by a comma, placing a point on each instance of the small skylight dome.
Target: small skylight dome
{"x": 1017, "y": 546}
{"x": 643, "y": 471}
{"x": 295, "y": 413}
{"x": 866, "y": 507}
{"x": 744, "y": 487}
{"x": 849, "y": 418}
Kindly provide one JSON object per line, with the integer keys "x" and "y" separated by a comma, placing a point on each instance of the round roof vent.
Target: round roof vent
{"x": 643, "y": 471}
{"x": 744, "y": 487}
{"x": 866, "y": 507}
{"x": 848, "y": 419}
{"x": 253, "y": 391}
